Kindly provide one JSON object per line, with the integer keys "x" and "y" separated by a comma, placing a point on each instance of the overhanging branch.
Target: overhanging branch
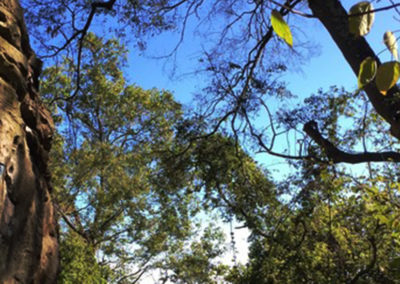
{"x": 338, "y": 156}
{"x": 355, "y": 49}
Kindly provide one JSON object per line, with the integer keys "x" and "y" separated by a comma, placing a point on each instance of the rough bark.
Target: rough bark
{"x": 28, "y": 235}
{"x": 355, "y": 49}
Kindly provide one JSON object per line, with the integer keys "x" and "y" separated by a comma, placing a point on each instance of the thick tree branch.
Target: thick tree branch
{"x": 338, "y": 156}
{"x": 80, "y": 36}
{"x": 106, "y": 5}
{"x": 355, "y": 49}
{"x": 307, "y": 15}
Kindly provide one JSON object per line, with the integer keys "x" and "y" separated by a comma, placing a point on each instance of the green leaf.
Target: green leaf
{"x": 367, "y": 71}
{"x": 362, "y": 24}
{"x": 281, "y": 28}
{"x": 383, "y": 219}
{"x": 387, "y": 75}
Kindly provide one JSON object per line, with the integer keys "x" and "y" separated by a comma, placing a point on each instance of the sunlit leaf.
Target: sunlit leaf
{"x": 387, "y": 75}
{"x": 391, "y": 43}
{"x": 281, "y": 28}
{"x": 367, "y": 71}
{"x": 383, "y": 219}
{"x": 361, "y": 25}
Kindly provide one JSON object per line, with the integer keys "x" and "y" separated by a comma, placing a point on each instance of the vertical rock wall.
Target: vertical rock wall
{"x": 28, "y": 236}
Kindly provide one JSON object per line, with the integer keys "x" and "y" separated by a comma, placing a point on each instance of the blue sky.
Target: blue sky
{"x": 324, "y": 69}
{"x": 327, "y": 67}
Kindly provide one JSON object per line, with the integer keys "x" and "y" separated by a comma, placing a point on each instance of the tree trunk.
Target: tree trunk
{"x": 28, "y": 232}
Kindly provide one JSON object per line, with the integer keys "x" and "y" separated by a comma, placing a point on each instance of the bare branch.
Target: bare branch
{"x": 338, "y": 156}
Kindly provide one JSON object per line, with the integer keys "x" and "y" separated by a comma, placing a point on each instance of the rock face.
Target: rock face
{"x": 28, "y": 230}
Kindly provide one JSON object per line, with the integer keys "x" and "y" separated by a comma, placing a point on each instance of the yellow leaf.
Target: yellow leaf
{"x": 362, "y": 24}
{"x": 367, "y": 71}
{"x": 387, "y": 75}
{"x": 281, "y": 28}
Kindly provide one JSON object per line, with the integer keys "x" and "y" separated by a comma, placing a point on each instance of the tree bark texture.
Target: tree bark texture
{"x": 355, "y": 49}
{"x": 28, "y": 230}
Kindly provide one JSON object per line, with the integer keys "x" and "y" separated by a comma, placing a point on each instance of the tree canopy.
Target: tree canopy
{"x": 134, "y": 172}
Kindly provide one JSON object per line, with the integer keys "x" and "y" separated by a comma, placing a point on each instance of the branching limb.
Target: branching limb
{"x": 307, "y": 15}
{"x": 355, "y": 49}
{"x": 338, "y": 156}
{"x": 70, "y": 224}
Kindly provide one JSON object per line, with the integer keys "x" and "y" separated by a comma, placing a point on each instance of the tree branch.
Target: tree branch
{"x": 70, "y": 224}
{"x": 307, "y": 15}
{"x": 338, "y": 156}
{"x": 355, "y": 49}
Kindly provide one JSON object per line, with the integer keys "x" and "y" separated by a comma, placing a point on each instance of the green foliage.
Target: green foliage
{"x": 129, "y": 185}
{"x": 233, "y": 183}
{"x": 334, "y": 233}
{"x": 189, "y": 261}
{"x": 114, "y": 178}
{"x": 131, "y": 172}
{"x": 329, "y": 226}
{"x": 79, "y": 263}
{"x": 130, "y": 177}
